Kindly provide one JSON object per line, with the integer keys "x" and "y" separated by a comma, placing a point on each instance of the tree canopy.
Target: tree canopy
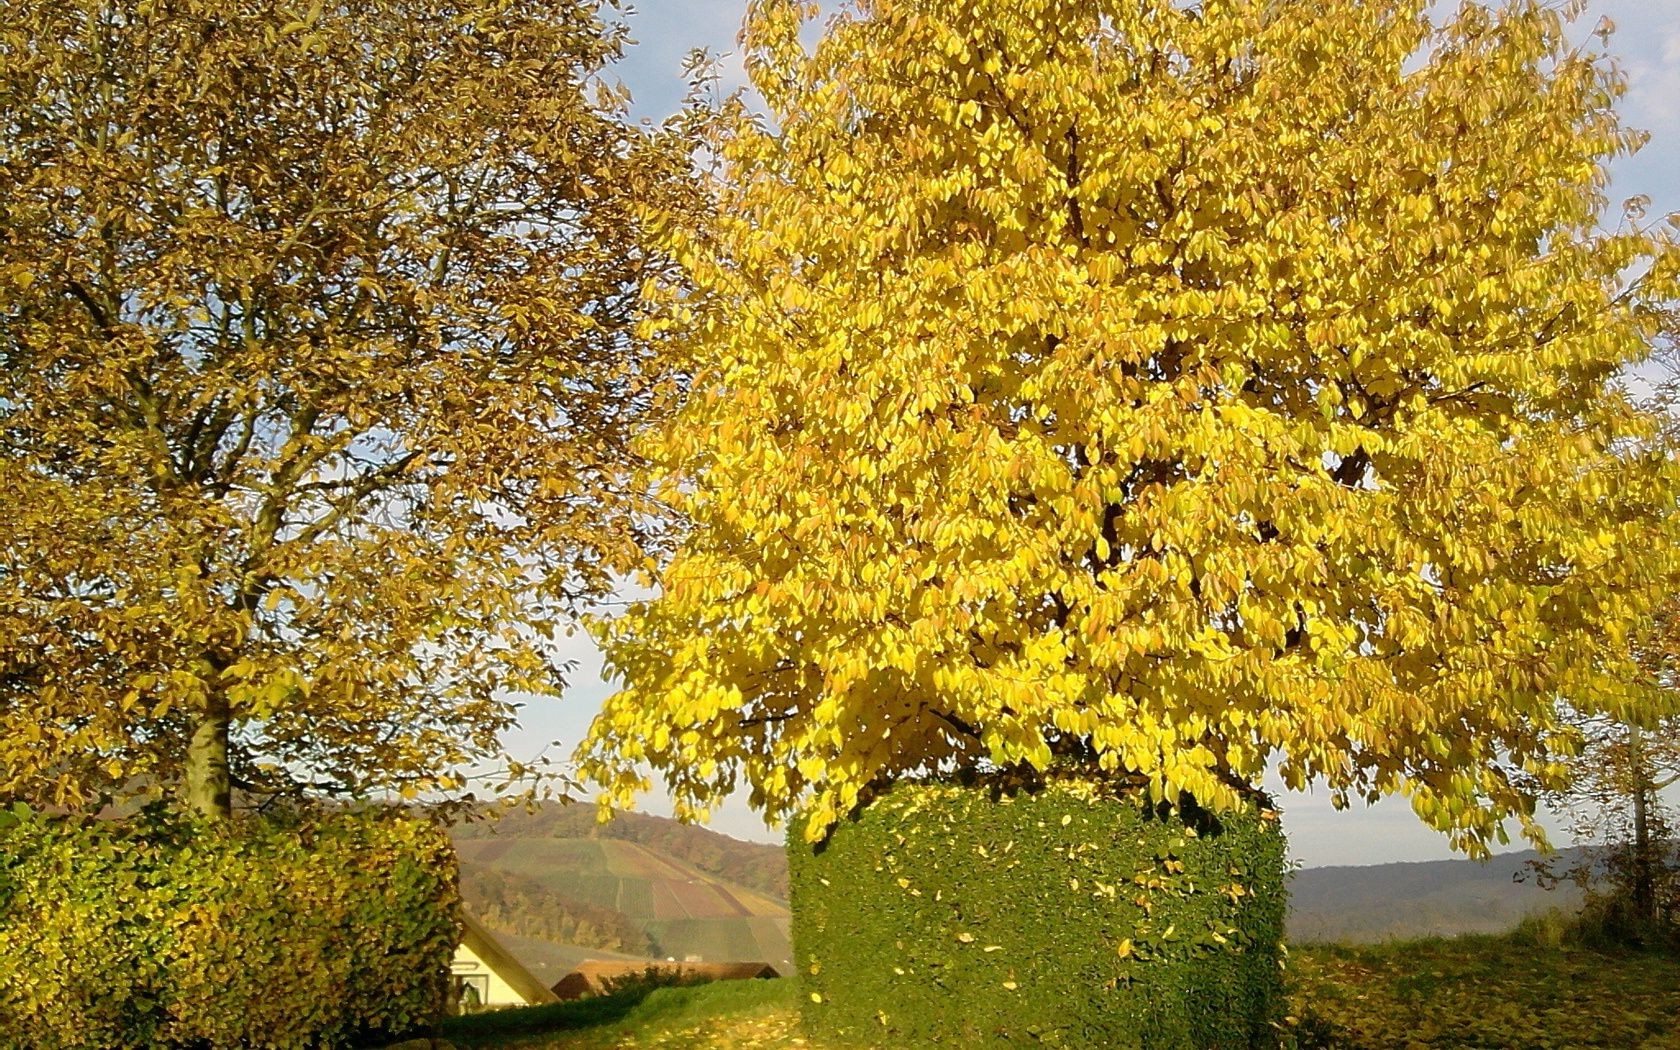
{"x": 1627, "y": 762}
{"x": 319, "y": 330}
{"x": 1172, "y": 391}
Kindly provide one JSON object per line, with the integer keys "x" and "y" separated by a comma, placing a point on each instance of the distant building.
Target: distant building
{"x": 596, "y": 976}
{"x": 485, "y": 975}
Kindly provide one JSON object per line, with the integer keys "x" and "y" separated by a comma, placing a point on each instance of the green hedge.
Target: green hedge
{"x": 162, "y": 932}
{"x": 973, "y": 916}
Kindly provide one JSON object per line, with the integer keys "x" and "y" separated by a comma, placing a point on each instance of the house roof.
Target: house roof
{"x": 593, "y": 976}
{"x": 482, "y": 943}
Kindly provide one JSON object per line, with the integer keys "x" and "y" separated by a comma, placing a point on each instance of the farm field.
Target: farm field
{"x": 1469, "y": 993}
{"x": 623, "y": 876}
{"x": 686, "y": 911}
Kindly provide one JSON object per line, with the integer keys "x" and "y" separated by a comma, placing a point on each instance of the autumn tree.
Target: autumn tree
{"x": 1168, "y": 390}
{"x": 1617, "y": 801}
{"x": 1616, "y": 809}
{"x": 319, "y": 334}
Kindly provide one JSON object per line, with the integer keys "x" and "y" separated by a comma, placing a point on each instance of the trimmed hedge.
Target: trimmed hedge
{"x": 164, "y": 932}
{"x": 988, "y": 915}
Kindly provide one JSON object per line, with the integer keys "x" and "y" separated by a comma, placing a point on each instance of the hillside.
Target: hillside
{"x": 539, "y": 877}
{"x": 511, "y": 903}
{"x": 650, "y": 887}
{"x": 1377, "y": 902}
{"x": 754, "y": 865}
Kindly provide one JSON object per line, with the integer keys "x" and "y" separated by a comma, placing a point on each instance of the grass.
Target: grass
{"x": 1529, "y": 990}
{"x": 1514, "y": 991}
{"x": 717, "y": 1016}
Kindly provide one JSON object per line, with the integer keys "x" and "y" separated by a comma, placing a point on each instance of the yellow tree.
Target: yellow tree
{"x": 318, "y": 334}
{"x": 1618, "y": 812}
{"x": 1624, "y": 768}
{"x": 1172, "y": 390}
{"x": 1624, "y": 763}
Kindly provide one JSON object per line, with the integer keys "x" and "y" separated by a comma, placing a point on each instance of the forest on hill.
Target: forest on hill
{"x": 641, "y": 885}
{"x": 511, "y": 903}
{"x": 755, "y": 865}
{"x": 1364, "y": 904}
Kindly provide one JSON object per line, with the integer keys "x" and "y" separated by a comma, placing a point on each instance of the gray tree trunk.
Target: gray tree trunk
{"x": 209, "y": 792}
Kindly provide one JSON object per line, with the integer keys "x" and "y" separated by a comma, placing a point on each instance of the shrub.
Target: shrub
{"x": 1061, "y": 915}
{"x": 651, "y": 977}
{"x": 162, "y": 931}
{"x": 1609, "y": 920}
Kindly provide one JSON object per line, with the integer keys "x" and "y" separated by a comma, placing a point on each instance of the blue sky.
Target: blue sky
{"x": 1647, "y": 42}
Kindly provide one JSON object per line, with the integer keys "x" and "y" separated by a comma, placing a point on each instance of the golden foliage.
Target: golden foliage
{"x": 318, "y": 335}
{"x": 161, "y": 932}
{"x": 1174, "y": 389}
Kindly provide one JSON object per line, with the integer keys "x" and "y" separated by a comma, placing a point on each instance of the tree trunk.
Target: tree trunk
{"x": 208, "y": 791}
{"x": 1644, "y": 873}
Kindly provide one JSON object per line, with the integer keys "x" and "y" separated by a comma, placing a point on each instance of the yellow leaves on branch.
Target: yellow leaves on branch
{"x": 1175, "y": 390}
{"x": 320, "y": 337}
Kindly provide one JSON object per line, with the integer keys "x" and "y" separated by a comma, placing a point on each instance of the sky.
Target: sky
{"x": 1646, "y": 41}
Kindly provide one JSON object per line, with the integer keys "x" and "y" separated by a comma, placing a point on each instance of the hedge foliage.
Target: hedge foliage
{"x": 1064, "y": 915}
{"x": 164, "y": 932}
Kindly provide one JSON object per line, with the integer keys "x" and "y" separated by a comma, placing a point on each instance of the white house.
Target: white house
{"x": 485, "y": 975}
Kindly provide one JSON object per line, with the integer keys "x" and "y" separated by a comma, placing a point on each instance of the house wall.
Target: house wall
{"x": 467, "y": 963}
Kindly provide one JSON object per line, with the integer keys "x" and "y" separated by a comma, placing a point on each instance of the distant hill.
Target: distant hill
{"x": 1426, "y": 898}
{"x": 509, "y": 902}
{"x": 645, "y": 886}
{"x": 751, "y": 864}
{"x": 555, "y": 875}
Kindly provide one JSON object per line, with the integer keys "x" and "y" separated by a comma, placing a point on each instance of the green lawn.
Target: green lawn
{"x": 746, "y": 1014}
{"x": 1513, "y": 992}
{"x": 1485, "y": 992}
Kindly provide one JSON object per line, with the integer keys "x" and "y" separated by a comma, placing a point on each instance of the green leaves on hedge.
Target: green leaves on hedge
{"x": 162, "y": 932}
{"x": 1065, "y": 916}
